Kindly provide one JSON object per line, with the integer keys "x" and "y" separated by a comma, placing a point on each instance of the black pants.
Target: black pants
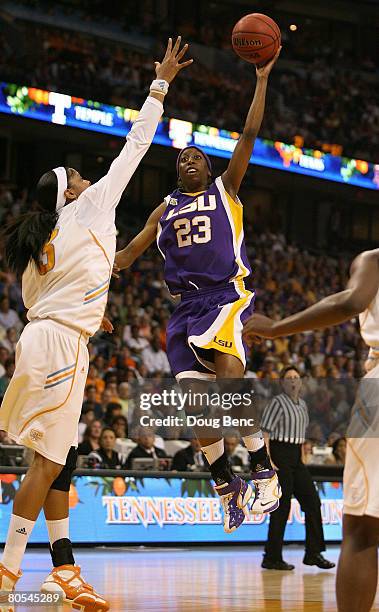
{"x": 295, "y": 480}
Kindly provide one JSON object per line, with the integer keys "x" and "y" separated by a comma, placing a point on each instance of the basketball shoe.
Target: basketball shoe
{"x": 7, "y": 583}
{"x": 234, "y": 497}
{"x": 267, "y": 492}
{"x": 67, "y": 581}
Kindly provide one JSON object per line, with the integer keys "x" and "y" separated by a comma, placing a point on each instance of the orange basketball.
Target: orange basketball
{"x": 256, "y": 38}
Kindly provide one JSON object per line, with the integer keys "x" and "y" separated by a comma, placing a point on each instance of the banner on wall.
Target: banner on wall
{"x": 71, "y": 111}
{"x": 152, "y": 510}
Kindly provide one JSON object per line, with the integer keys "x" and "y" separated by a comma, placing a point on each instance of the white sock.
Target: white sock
{"x": 58, "y": 530}
{"x": 254, "y": 442}
{"x": 18, "y": 535}
{"x": 214, "y": 451}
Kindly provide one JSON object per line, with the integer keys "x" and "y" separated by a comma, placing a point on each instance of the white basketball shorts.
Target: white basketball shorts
{"x": 42, "y": 404}
{"x": 361, "y": 473}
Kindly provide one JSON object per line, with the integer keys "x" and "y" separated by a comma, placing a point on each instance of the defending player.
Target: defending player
{"x": 357, "y": 573}
{"x": 65, "y": 253}
{"x": 199, "y": 231}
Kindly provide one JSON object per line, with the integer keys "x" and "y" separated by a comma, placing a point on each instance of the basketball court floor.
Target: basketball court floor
{"x": 195, "y": 579}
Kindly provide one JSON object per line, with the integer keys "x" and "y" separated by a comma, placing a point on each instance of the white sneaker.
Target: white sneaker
{"x": 267, "y": 492}
{"x": 7, "y": 583}
{"x": 67, "y": 581}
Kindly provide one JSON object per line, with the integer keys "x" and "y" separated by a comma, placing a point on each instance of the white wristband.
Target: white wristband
{"x": 159, "y": 86}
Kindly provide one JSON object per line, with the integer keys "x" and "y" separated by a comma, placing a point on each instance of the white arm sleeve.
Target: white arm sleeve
{"x": 96, "y": 205}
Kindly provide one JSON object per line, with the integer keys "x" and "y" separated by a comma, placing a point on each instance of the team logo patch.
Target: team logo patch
{"x": 173, "y": 202}
{"x": 35, "y": 435}
{"x": 221, "y": 342}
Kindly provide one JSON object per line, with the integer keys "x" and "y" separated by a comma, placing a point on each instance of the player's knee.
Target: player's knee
{"x": 50, "y": 469}
{"x": 63, "y": 480}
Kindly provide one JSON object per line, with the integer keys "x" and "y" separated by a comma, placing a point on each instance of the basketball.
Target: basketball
{"x": 256, "y": 38}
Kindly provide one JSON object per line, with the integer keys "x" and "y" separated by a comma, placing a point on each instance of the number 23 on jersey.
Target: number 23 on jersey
{"x": 197, "y": 230}
{"x": 47, "y": 259}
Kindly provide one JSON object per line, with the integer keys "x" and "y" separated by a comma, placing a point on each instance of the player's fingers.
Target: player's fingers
{"x": 182, "y": 52}
{"x": 176, "y": 46}
{"x": 168, "y": 49}
{"x": 184, "y": 64}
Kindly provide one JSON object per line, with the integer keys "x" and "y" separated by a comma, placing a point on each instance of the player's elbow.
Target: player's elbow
{"x": 354, "y": 304}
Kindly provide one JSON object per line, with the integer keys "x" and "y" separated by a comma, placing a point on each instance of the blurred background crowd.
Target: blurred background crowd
{"x": 323, "y": 95}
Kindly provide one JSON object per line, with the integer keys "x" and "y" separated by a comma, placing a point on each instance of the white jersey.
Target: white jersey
{"x": 70, "y": 285}
{"x": 369, "y": 323}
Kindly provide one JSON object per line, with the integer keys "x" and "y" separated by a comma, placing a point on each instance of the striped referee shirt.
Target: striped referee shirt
{"x": 286, "y": 420}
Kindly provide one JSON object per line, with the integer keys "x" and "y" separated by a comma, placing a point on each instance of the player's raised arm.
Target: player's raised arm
{"x": 232, "y": 177}
{"x": 337, "y": 308}
{"x": 127, "y": 256}
{"x": 107, "y": 192}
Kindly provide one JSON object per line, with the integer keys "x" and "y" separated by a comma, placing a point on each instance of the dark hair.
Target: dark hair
{"x": 109, "y": 409}
{"x": 289, "y": 369}
{"x": 335, "y": 445}
{"x": 26, "y": 237}
{"x": 103, "y": 432}
{"x": 87, "y": 431}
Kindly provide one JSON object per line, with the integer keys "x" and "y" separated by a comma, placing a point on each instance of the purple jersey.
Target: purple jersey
{"x": 201, "y": 239}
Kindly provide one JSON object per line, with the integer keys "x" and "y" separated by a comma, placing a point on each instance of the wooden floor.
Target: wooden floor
{"x": 195, "y": 579}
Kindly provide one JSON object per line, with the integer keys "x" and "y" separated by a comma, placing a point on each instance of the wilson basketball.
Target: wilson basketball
{"x": 256, "y": 38}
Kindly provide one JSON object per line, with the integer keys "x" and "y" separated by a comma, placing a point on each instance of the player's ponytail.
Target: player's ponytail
{"x": 26, "y": 237}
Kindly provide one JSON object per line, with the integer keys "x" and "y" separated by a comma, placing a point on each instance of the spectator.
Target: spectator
{"x": 338, "y": 453}
{"x": 190, "y": 458}
{"x": 4, "y": 355}
{"x": 113, "y": 410}
{"x": 10, "y": 340}
{"x": 5, "y": 380}
{"x": 307, "y": 452}
{"x": 91, "y": 396}
{"x": 94, "y": 380}
{"x": 136, "y": 342}
{"x": 231, "y": 442}
{"x": 91, "y": 438}
{"x": 8, "y": 316}
{"x": 120, "y": 427}
{"x": 123, "y": 394}
{"x": 155, "y": 358}
{"x": 145, "y": 448}
{"x": 87, "y": 416}
{"x": 105, "y": 457}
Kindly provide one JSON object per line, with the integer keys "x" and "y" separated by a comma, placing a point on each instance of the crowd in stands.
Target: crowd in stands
{"x": 134, "y": 357}
{"x": 322, "y": 94}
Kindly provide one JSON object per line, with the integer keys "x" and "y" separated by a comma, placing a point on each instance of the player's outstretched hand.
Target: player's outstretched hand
{"x": 265, "y": 70}
{"x": 170, "y": 66}
{"x": 106, "y": 325}
{"x": 258, "y": 326}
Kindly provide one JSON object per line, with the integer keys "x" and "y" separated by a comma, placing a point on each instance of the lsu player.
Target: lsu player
{"x": 199, "y": 231}
{"x": 65, "y": 253}
{"x": 357, "y": 573}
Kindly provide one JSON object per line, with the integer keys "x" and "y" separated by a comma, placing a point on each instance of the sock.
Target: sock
{"x": 254, "y": 442}
{"x": 61, "y": 552}
{"x": 213, "y": 451}
{"x": 259, "y": 459}
{"x": 19, "y": 532}
{"x": 58, "y": 529}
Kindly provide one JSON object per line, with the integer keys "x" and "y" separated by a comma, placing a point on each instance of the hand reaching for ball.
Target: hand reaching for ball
{"x": 264, "y": 71}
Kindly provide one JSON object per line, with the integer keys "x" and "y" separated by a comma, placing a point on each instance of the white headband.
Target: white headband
{"x": 61, "y": 175}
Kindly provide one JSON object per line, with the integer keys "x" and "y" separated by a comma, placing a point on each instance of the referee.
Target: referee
{"x": 284, "y": 423}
